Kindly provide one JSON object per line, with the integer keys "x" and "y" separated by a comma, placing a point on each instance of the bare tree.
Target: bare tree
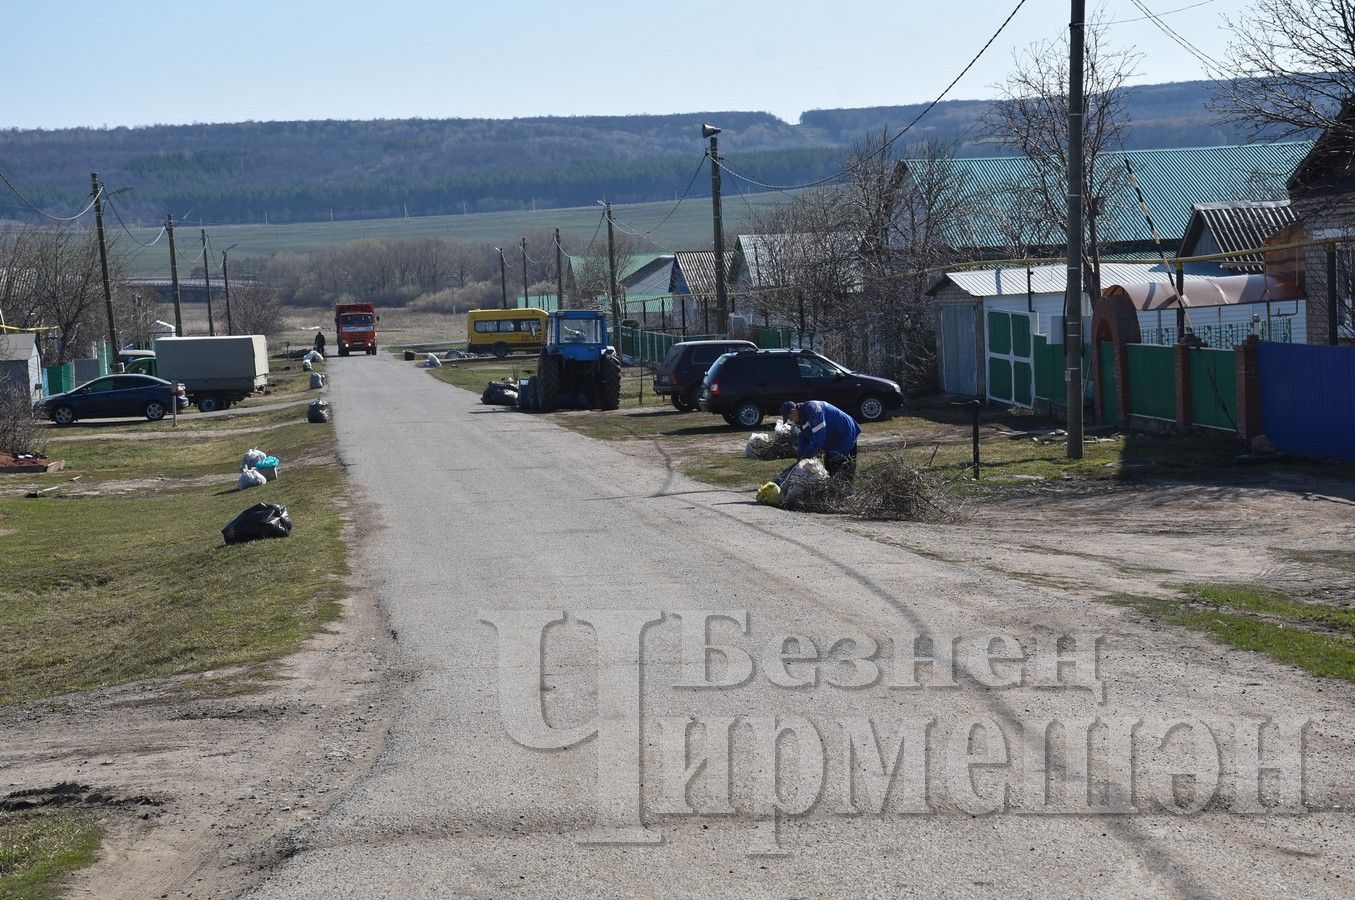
{"x": 54, "y": 283}
{"x": 1031, "y": 117}
{"x": 1295, "y": 67}
{"x": 19, "y": 430}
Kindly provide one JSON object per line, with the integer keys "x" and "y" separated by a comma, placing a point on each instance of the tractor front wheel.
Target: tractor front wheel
{"x": 610, "y": 376}
{"x": 548, "y": 383}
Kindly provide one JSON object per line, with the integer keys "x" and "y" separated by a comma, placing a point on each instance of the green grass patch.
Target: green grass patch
{"x": 1264, "y": 622}
{"x": 1270, "y": 603}
{"x": 193, "y": 455}
{"x": 108, "y": 589}
{"x": 98, "y": 590}
{"x": 39, "y": 850}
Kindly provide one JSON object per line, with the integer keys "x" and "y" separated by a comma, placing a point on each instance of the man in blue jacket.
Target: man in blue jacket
{"x": 824, "y": 427}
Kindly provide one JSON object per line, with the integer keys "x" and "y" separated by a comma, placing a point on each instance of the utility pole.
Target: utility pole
{"x": 503, "y": 277}
{"x": 174, "y": 277}
{"x": 103, "y": 263}
{"x": 721, "y": 298}
{"x": 611, "y": 275}
{"x": 1072, "y": 307}
{"x": 226, "y": 279}
{"x": 559, "y": 273}
{"x": 525, "y": 296}
{"x": 207, "y": 283}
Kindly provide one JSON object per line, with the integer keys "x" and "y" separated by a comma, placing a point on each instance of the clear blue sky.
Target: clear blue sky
{"x": 152, "y": 61}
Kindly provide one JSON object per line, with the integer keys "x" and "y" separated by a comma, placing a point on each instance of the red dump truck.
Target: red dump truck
{"x": 355, "y": 327}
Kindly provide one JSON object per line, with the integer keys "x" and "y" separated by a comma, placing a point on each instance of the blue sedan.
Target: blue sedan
{"x": 116, "y": 396}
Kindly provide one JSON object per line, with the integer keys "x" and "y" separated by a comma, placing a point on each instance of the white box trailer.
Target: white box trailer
{"x": 215, "y": 371}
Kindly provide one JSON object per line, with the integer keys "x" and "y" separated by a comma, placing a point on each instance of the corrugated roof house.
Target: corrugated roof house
{"x": 1173, "y": 181}
{"x": 1322, "y": 189}
{"x": 1230, "y": 227}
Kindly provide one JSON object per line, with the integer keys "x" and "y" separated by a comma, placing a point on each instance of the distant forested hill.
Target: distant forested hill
{"x": 308, "y": 171}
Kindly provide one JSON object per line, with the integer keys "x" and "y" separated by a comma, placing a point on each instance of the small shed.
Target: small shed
{"x": 19, "y": 362}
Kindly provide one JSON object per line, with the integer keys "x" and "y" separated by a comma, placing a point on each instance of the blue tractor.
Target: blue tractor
{"x": 577, "y": 367}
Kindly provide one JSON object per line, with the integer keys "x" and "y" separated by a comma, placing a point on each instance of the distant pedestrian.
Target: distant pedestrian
{"x": 320, "y": 342}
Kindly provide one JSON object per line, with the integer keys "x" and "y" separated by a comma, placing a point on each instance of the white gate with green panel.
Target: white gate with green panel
{"x": 1010, "y": 364}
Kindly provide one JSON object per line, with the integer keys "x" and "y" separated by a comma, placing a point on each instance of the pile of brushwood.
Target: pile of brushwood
{"x": 894, "y": 489}
{"x": 890, "y": 489}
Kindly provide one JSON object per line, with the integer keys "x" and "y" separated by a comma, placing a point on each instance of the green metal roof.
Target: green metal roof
{"x": 1172, "y": 181}
{"x": 627, "y": 265}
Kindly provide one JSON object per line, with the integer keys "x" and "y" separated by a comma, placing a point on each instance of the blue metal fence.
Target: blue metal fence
{"x": 1308, "y": 399}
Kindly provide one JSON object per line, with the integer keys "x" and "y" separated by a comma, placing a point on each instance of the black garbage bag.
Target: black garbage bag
{"x": 318, "y": 412}
{"x": 262, "y": 520}
{"x": 499, "y": 394}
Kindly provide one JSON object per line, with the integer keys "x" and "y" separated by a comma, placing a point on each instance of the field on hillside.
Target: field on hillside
{"x": 688, "y": 229}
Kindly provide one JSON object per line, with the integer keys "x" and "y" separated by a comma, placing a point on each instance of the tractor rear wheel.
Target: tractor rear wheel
{"x": 609, "y": 394}
{"x": 548, "y": 383}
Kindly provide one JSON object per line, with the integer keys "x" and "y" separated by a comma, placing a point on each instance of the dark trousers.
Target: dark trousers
{"x": 840, "y": 464}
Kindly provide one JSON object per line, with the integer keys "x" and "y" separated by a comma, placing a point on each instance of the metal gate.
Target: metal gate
{"x": 1010, "y": 366}
{"x": 959, "y": 361}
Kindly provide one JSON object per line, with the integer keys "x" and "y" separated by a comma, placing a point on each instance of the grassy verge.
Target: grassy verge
{"x": 38, "y": 850}
{"x": 134, "y": 581}
{"x": 1314, "y": 637}
{"x": 932, "y": 434}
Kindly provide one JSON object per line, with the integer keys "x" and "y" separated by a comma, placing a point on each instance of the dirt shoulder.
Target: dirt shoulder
{"x": 196, "y": 781}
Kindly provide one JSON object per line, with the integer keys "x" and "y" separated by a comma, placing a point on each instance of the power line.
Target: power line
{"x": 9, "y": 184}
{"x": 1169, "y": 12}
{"x": 687, "y": 190}
{"x": 117, "y": 215}
{"x": 1212, "y": 66}
{"x": 889, "y": 143}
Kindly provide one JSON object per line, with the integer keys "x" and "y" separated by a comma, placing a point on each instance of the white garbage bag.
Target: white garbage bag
{"x": 251, "y": 478}
{"x": 313, "y": 357}
{"x": 780, "y": 443}
{"x": 252, "y": 458}
{"x": 805, "y": 483}
{"x": 317, "y": 381}
{"x": 306, "y": 365}
{"x": 432, "y": 362}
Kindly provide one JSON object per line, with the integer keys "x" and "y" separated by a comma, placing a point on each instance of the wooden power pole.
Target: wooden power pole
{"x": 1072, "y": 307}
{"x": 103, "y": 264}
{"x": 174, "y": 277}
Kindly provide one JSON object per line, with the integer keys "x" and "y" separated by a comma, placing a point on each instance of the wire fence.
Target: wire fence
{"x": 1225, "y": 335}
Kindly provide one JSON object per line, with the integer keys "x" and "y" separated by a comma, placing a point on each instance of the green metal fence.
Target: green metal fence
{"x": 1213, "y": 388}
{"x": 650, "y": 347}
{"x": 59, "y": 379}
{"x": 1152, "y": 381}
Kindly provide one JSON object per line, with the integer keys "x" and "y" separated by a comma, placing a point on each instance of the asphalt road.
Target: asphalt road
{"x": 472, "y": 508}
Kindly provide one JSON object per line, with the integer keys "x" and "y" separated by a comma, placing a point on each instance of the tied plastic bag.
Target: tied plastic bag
{"x": 262, "y": 520}
{"x": 306, "y": 365}
{"x": 318, "y": 412}
{"x": 780, "y": 443}
{"x": 769, "y": 494}
{"x": 498, "y": 393}
{"x": 252, "y": 458}
{"x": 251, "y": 478}
{"x": 317, "y": 381}
{"x": 313, "y": 357}
{"x": 805, "y": 484}
{"x": 432, "y": 361}
{"x": 268, "y": 468}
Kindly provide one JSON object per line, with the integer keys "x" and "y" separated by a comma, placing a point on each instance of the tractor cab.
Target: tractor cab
{"x": 577, "y": 367}
{"x": 579, "y": 331}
